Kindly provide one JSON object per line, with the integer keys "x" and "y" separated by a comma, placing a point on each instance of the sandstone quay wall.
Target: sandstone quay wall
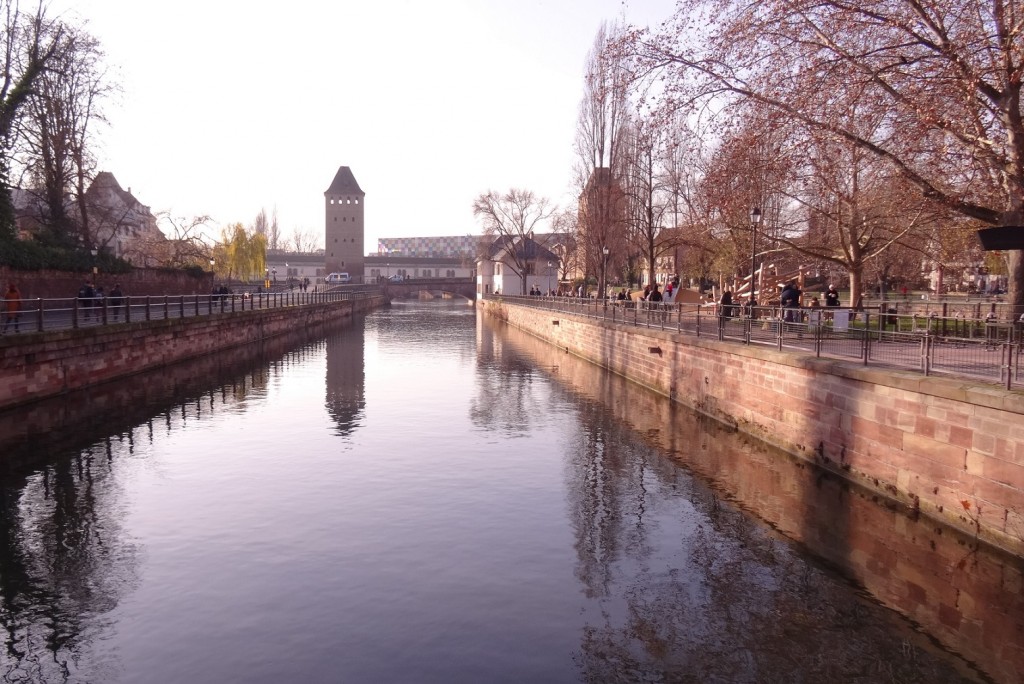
{"x": 949, "y": 448}
{"x": 39, "y": 365}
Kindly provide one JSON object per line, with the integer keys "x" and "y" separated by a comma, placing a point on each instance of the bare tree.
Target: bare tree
{"x": 58, "y": 130}
{"x": 260, "y": 223}
{"x": 28, "y": 44}
{"x": 649, "y": 198}
{"x": 273, "y": 231}
{"x": 304, "y": 241}
{"x": 512, "y": 218}
{"x": 602, "y": 115}
{"x": 945, "y": 79}
{"x": 187, "y": 244}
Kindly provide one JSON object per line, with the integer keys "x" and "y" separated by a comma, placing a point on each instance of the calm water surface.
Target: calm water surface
{"x": 418, "y": 498}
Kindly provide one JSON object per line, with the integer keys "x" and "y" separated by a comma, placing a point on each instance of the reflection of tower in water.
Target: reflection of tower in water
{"x": 346, "y": 380}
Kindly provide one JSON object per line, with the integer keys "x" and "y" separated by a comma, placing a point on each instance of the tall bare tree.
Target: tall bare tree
{"x": 58, "y": 131}
{"x": 28, "y": 43}
{"x": 273, "y": 232}
{"x": 602, "y": 115}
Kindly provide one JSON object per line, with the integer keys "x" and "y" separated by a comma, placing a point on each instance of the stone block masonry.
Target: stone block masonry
{"x": 36, "y": 366}
{"x": 950, "y": 449}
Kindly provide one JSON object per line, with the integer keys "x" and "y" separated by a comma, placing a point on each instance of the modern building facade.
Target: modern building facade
{"x": 344, "y": 206}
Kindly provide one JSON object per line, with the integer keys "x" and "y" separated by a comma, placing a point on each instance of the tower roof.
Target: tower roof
{"x": 344, "y": 183}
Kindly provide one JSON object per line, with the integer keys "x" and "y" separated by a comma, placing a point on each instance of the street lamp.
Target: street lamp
{"x": 604, "y": 275}
{"x": 755, "y": 218}
{"x": 549, "y": 277}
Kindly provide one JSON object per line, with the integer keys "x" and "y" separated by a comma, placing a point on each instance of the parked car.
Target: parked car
{"x": 338, "y": 278}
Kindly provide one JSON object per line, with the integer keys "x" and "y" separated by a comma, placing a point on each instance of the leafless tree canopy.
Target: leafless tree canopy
{"x": 930, "y": 90}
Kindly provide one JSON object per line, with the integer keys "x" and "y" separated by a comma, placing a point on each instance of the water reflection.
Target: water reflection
{"x": 346, "y": 379}
{"x": 65, "y": 559}
{"x": 734, "y": 600}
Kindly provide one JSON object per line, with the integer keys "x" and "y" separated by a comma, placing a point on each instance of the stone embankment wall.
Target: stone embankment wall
{"x": 39, "y": 365}
{"x": 948, "y": 448}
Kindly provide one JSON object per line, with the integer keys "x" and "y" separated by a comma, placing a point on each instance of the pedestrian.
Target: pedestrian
{"x": 832, "y": 296}
{"x": 726, "y": 304}
{"x": 12, "y": 304}
{"x": 790, "y": 301}
{"x": 86, "y": 293}
{"x": 116, "y": 300}
{"x": 655, "y": 295}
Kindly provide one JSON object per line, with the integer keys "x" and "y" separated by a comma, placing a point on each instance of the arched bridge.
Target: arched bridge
{"x": 430, "y": 288}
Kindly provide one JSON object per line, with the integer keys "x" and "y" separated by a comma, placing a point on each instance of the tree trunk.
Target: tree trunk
{"x": 856, "y": 276}
{"x": 1015, "y": 282}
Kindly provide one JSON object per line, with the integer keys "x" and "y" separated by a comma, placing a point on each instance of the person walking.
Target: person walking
{"x": 85, "y": 297}
{"x": 12, "y": 305}
{"x": 116, "y": 299}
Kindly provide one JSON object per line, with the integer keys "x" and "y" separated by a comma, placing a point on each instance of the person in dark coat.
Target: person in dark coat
{"x": 726, "y": 304}
{"x": 790, "y": 301}
{"x": 832, "y": 296}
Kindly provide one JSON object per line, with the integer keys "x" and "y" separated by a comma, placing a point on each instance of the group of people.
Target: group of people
{"x": 790, "y": 299}
{"x": 92, "y": 299}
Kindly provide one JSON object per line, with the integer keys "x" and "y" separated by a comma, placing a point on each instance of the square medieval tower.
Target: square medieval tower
{"x": 343, "y": 248}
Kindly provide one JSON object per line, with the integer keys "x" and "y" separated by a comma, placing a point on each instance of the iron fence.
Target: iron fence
{"x": 44, "y": 315}
{"x": 988, "y": 348}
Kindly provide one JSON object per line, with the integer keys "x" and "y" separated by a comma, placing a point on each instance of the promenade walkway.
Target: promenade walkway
{"x": 988, "y": 350}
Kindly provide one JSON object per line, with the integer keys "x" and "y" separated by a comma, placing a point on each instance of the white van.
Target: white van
{"x": 338, "y": 278}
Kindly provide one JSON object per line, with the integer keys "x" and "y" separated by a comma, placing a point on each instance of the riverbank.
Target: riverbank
{"x": 36, "y": 366}
{"x": 947, "y": 448}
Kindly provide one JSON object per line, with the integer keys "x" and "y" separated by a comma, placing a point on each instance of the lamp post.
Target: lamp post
{"x": 755, "y": 218}
{"x": 549, "y": 278}
{"x": 604, "y": 275}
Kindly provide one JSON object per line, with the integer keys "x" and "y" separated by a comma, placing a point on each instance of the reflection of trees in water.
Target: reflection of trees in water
{"x": 63, "y": 561}
{"x": 506, "y": 400}
{"x": 64, "y": 558}
{"x": 346, "y": 379}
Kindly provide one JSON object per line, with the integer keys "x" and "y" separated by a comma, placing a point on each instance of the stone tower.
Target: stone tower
{"x": 344, "y": 206}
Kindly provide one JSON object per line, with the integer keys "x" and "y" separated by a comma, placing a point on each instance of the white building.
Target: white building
{"x": 515, "y": 266}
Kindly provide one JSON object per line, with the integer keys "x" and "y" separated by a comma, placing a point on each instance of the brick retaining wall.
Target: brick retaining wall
{"x": 138, "y": 283}
{"x": 950, "y": 448}
{"x": 38, "y": 365}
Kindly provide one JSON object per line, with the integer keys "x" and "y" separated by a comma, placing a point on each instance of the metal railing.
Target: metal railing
{"x": 989, "y": 349}
{"x": 45, "y": 315}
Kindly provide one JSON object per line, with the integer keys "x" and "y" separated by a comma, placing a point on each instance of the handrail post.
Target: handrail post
{"x": 867, "y": 335}
{"x": 149, "y": 307}
{"x": 128, "y": 309}
{"x": 74, "y": 313}
{"x": 926, "y": 352}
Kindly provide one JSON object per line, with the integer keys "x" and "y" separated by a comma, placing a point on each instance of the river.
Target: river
{"x": 428, "y": 496}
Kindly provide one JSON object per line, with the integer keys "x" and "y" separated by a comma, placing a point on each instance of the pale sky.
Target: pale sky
{"x": 229, "y": 106}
